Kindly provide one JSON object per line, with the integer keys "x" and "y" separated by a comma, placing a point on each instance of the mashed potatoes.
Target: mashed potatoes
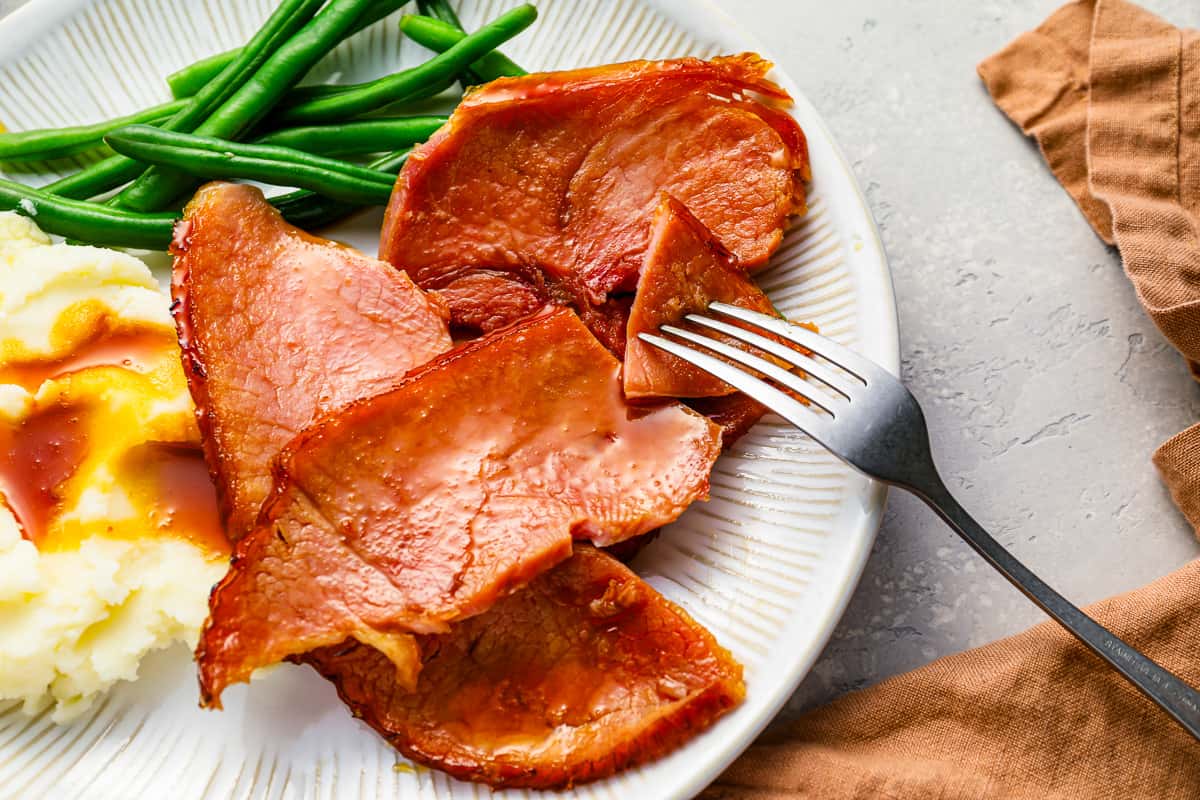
{"x": 109, "y": 539}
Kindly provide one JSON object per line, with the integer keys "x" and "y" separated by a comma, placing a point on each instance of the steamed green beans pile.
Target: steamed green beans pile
{"x": 440, "y": 29}
{"x": 240, "y": 115}
{"x": 205, "y": 156}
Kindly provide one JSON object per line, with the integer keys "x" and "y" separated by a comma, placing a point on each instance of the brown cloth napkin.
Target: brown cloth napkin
{"x": 1112, "y": 95}
{"x": 1031, "y": 717}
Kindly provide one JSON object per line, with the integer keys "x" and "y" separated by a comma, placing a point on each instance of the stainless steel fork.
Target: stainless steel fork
{"x": 867, "y": 418}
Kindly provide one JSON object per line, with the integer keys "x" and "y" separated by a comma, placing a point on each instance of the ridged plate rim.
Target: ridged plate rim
{"x": 877, "y": 336}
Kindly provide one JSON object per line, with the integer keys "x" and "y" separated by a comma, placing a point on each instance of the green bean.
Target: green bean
{"x": 103, "y": 226}
{"x": 440, "y": 36}
{"x": 90, "y": 222}
{"x": 255, "y": 98}
{"x": 310, "y": 210}
{"x": 191, "y": 79}
{"x": 313, "y": 90}
{"x": 96, "y": 179}
{"x": 421, "y": 81}
{"x": 440, "y": 29}
{"x": 51, "y": 143}
{"x": 441, "y": 10}
{"x": 209, "y": 158}
{"x": 141, "y": 137}
{"x": 288, "y": 21}
{"x": 100, "y": 177}
{"x": 106, "y": 175}
{"x": 353, "y": 138}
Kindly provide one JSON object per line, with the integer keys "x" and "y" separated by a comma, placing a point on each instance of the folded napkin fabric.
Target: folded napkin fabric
{"x": 1111, "y": 93}
{"x": 1032, "y": 717}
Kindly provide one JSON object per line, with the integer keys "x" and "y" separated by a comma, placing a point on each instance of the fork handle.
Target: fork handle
{"x": 1175, "y": 697}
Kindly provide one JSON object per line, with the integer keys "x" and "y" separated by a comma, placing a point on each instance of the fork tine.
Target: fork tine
{"x": 823, "y": 346}
{"x": 797, "y": 359}
{"x": 787, "y": 407}
{"x": 789, "y": 380}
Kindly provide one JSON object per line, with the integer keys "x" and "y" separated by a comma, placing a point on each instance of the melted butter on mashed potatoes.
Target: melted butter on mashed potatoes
{"x": 109, "y": 536}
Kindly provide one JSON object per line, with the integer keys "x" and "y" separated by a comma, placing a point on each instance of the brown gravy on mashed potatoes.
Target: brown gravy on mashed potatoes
{"x": 37, "y": 456}
{"x": 185, "y": 506}
{"x": 136, "y": 351}
{"x": 42, "y": 452}
{"x": 110, "y": 537}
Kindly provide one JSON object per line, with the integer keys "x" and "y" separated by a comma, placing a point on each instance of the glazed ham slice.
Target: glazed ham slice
{"x": 584, "y": 672}
{"x": 422, "y": 506}
{"x": 551, "y": 181}
{"x": 277, "y": 325}
{"x": 685, "y": 269}
{"x": 735, "y": 414}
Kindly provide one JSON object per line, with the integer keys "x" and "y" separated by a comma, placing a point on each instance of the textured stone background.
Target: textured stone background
{"x": 1045, "y": 386}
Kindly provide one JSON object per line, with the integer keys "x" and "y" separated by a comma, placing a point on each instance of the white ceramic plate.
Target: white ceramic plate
{"x": 768, "y": 564}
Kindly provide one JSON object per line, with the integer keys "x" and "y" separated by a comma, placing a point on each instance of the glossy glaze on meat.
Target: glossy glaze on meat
{"x": 734, "y": 414}
{"x": 685, "y": 269}
{"x": 277, "y": 325}
{"x": 553, "y": 178}
{"x": 423, "y": 506}
{"x": 584, "y": 672}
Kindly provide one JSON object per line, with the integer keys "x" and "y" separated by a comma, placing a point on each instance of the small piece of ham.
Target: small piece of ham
{"x": 276, "y": 326}
{"x": 585, "y": 672}
{"x": 685, "y": 269}
{"x": 734, "y": 414}
{"x": 547, "y": 184}
{"x": 422, "y": 506}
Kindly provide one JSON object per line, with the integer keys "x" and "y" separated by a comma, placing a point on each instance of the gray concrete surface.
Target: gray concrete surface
{"x": 1045, "y": 385}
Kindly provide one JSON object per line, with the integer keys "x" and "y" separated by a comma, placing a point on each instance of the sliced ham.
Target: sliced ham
{"x": 485, "y": 301}
{"x": 553, "y": 178}
{"x": 276, "y": 326}
{"x": 685, "y": 269}
{"x": 735, "y": 414}
{"x": 585, "y": 672}
{"x": 422, "y": 506}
